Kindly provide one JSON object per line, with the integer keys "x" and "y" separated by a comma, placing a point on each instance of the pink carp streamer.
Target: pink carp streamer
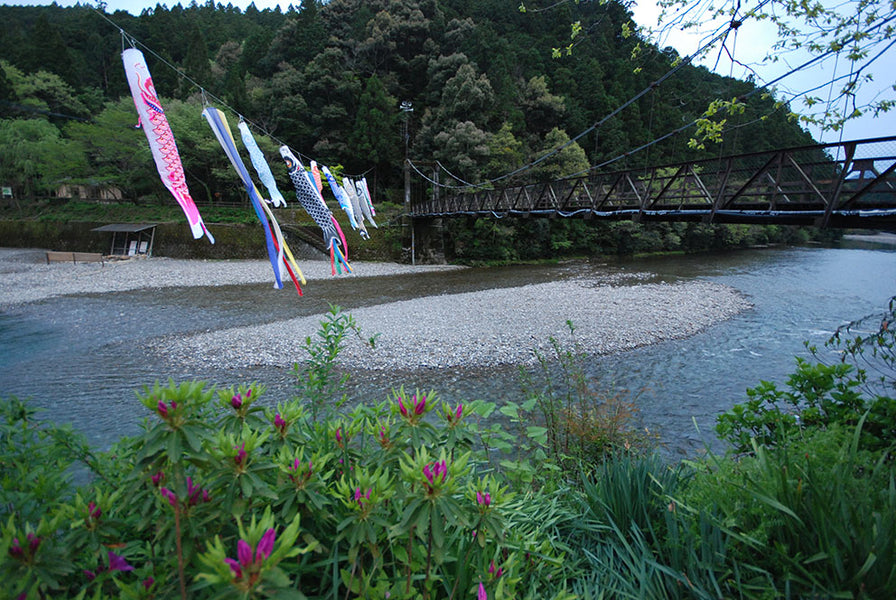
{"x": 161, "y": 139}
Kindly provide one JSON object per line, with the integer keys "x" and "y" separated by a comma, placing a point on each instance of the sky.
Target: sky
{"x": 750, "y": 46}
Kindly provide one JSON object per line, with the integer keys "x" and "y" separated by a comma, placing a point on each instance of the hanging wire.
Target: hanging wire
{"x": 134, "y": 42}
{"x": 753, "y": 92}
{"x": 707, "y": 42}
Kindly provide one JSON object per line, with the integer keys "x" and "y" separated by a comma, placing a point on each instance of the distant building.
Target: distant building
{"x": 89, "y": 192}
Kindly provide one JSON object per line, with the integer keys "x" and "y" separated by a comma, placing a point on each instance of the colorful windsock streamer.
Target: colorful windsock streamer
{"x": 364, "y": 201}
{"x": 349, "y": 189}
{"x": 367, "y": 195}
{"x": 161, "y": 139}
{"x": 313, "y": 203}
{"x": 274, "y": 241}
{"x": 343, "y": 200}
{"x": 261, "y": 165}
{"x": 315, "y": 173}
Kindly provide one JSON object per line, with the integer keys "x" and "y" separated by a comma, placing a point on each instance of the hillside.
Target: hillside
{"x": 330, "y": 80}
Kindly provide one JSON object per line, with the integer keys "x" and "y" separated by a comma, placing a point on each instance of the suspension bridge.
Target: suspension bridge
{"x": 839, "y": 185}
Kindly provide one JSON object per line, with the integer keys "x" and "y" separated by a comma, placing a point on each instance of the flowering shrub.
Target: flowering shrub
{"x": 388, "y": 500}
{"x": 416, "y": 498}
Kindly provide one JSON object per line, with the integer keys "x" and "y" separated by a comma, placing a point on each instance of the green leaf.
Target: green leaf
{"x": 510, "y": 410}
{"x": 174, "y": 447}
{"x": 537, "y": 433}
{"x": 246, "y": 486}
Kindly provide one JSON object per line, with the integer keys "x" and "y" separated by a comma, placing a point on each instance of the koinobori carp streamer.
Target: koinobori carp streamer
{"x": 313, "y": 203}
{"x": 274, "y": 241}
{"x": 161, "y": 139}
{"x": 260, "y": 164}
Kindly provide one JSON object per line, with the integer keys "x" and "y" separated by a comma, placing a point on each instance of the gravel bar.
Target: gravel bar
{"x": 484, "y": 328}
{"x": 26, "y": 277}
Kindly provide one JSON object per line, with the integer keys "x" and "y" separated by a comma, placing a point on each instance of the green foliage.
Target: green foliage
{"x": 214, "y": 501}
{"x": 815, "y": 515}
{"x": 317, "y": 381}
{"x": 34, "y": 466}
{"x": 820, "y": 396}
{"x": 35, "y": 159}
{"x": 573, "y": 420}
{"x": 326, "y": 78}
{"x": 221, "y": 496}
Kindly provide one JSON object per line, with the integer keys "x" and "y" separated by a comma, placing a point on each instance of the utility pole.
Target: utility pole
{"x": 407, "y": 108}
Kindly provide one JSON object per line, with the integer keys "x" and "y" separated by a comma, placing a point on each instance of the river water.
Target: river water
{"x": 82, "y": 357}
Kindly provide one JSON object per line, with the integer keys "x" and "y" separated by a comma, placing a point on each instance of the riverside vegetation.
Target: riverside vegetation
{"x": 559, "y": 496}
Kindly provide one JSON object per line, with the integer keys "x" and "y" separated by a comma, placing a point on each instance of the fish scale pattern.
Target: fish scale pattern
{"x": 309, "y": 197}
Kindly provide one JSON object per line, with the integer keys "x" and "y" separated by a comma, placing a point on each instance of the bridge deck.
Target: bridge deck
{"x": 848, "y": 184}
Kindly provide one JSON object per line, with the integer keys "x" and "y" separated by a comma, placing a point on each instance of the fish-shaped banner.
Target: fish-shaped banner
{"x": 364, "y": 201}
{"x": 260, "y": 164}
{"x": 343, "y": 200}
{"x": 161, "y": 139}
{"x": 313, "y": 203}
{"x": 276, "y": 246}
{"x": 349, "y": 189}
{"x": 363, "y": 186}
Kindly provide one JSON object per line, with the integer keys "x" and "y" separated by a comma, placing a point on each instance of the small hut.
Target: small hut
{"x": 130, "y": 239}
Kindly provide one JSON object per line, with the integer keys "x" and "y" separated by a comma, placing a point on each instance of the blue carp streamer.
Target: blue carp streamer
{"x": 261, "y": 165}
{"x": 343, "y": 200}
{"x": 275, "y": 246}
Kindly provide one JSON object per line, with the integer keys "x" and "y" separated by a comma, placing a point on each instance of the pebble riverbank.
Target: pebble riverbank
{"x": 25, "y": 275}
{"x": 483, "y": 328}
{"x": 486, "y": 328}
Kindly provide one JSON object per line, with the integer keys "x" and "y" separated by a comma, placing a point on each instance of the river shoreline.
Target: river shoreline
{"x": 484, "y": 328}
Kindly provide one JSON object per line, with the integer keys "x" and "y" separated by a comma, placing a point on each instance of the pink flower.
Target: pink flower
{"x": 162, "y": 409}
{"x": 93, "y": 511}
{"x": 236, "y": 402}
{"x": 497, "y": 573}
{"x": 265, "y": 545}
{"x": 481, "y": 595}
{"x": 15, "y": 550}
{"x": 171, "y": 496}
{"x": 295, "y": 472}
{"x": 483, "y": 499}
{"x": 157, "y": 478}
{"x": 279, "y": 424}
{"x": 459, "y": 411}
{"x": 118, "y": 563}
{"x": 147, "y": 583}
{"x": 419, "y": 406}
{"x": 240, "y": 458}
{"x": 401, "y": 408}
{"x": 194, "y": 492}
{"x": 244, "y": 554}
{"x": 433, "y": 471}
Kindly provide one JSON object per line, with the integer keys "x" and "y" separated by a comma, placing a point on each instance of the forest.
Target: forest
{"x": 476, "y": 87}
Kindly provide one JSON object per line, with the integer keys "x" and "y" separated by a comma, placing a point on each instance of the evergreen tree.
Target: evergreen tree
{"x": 376, "y": 132}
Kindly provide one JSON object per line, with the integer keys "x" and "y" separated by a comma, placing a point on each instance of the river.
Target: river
{"x": 82, "y": 357}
